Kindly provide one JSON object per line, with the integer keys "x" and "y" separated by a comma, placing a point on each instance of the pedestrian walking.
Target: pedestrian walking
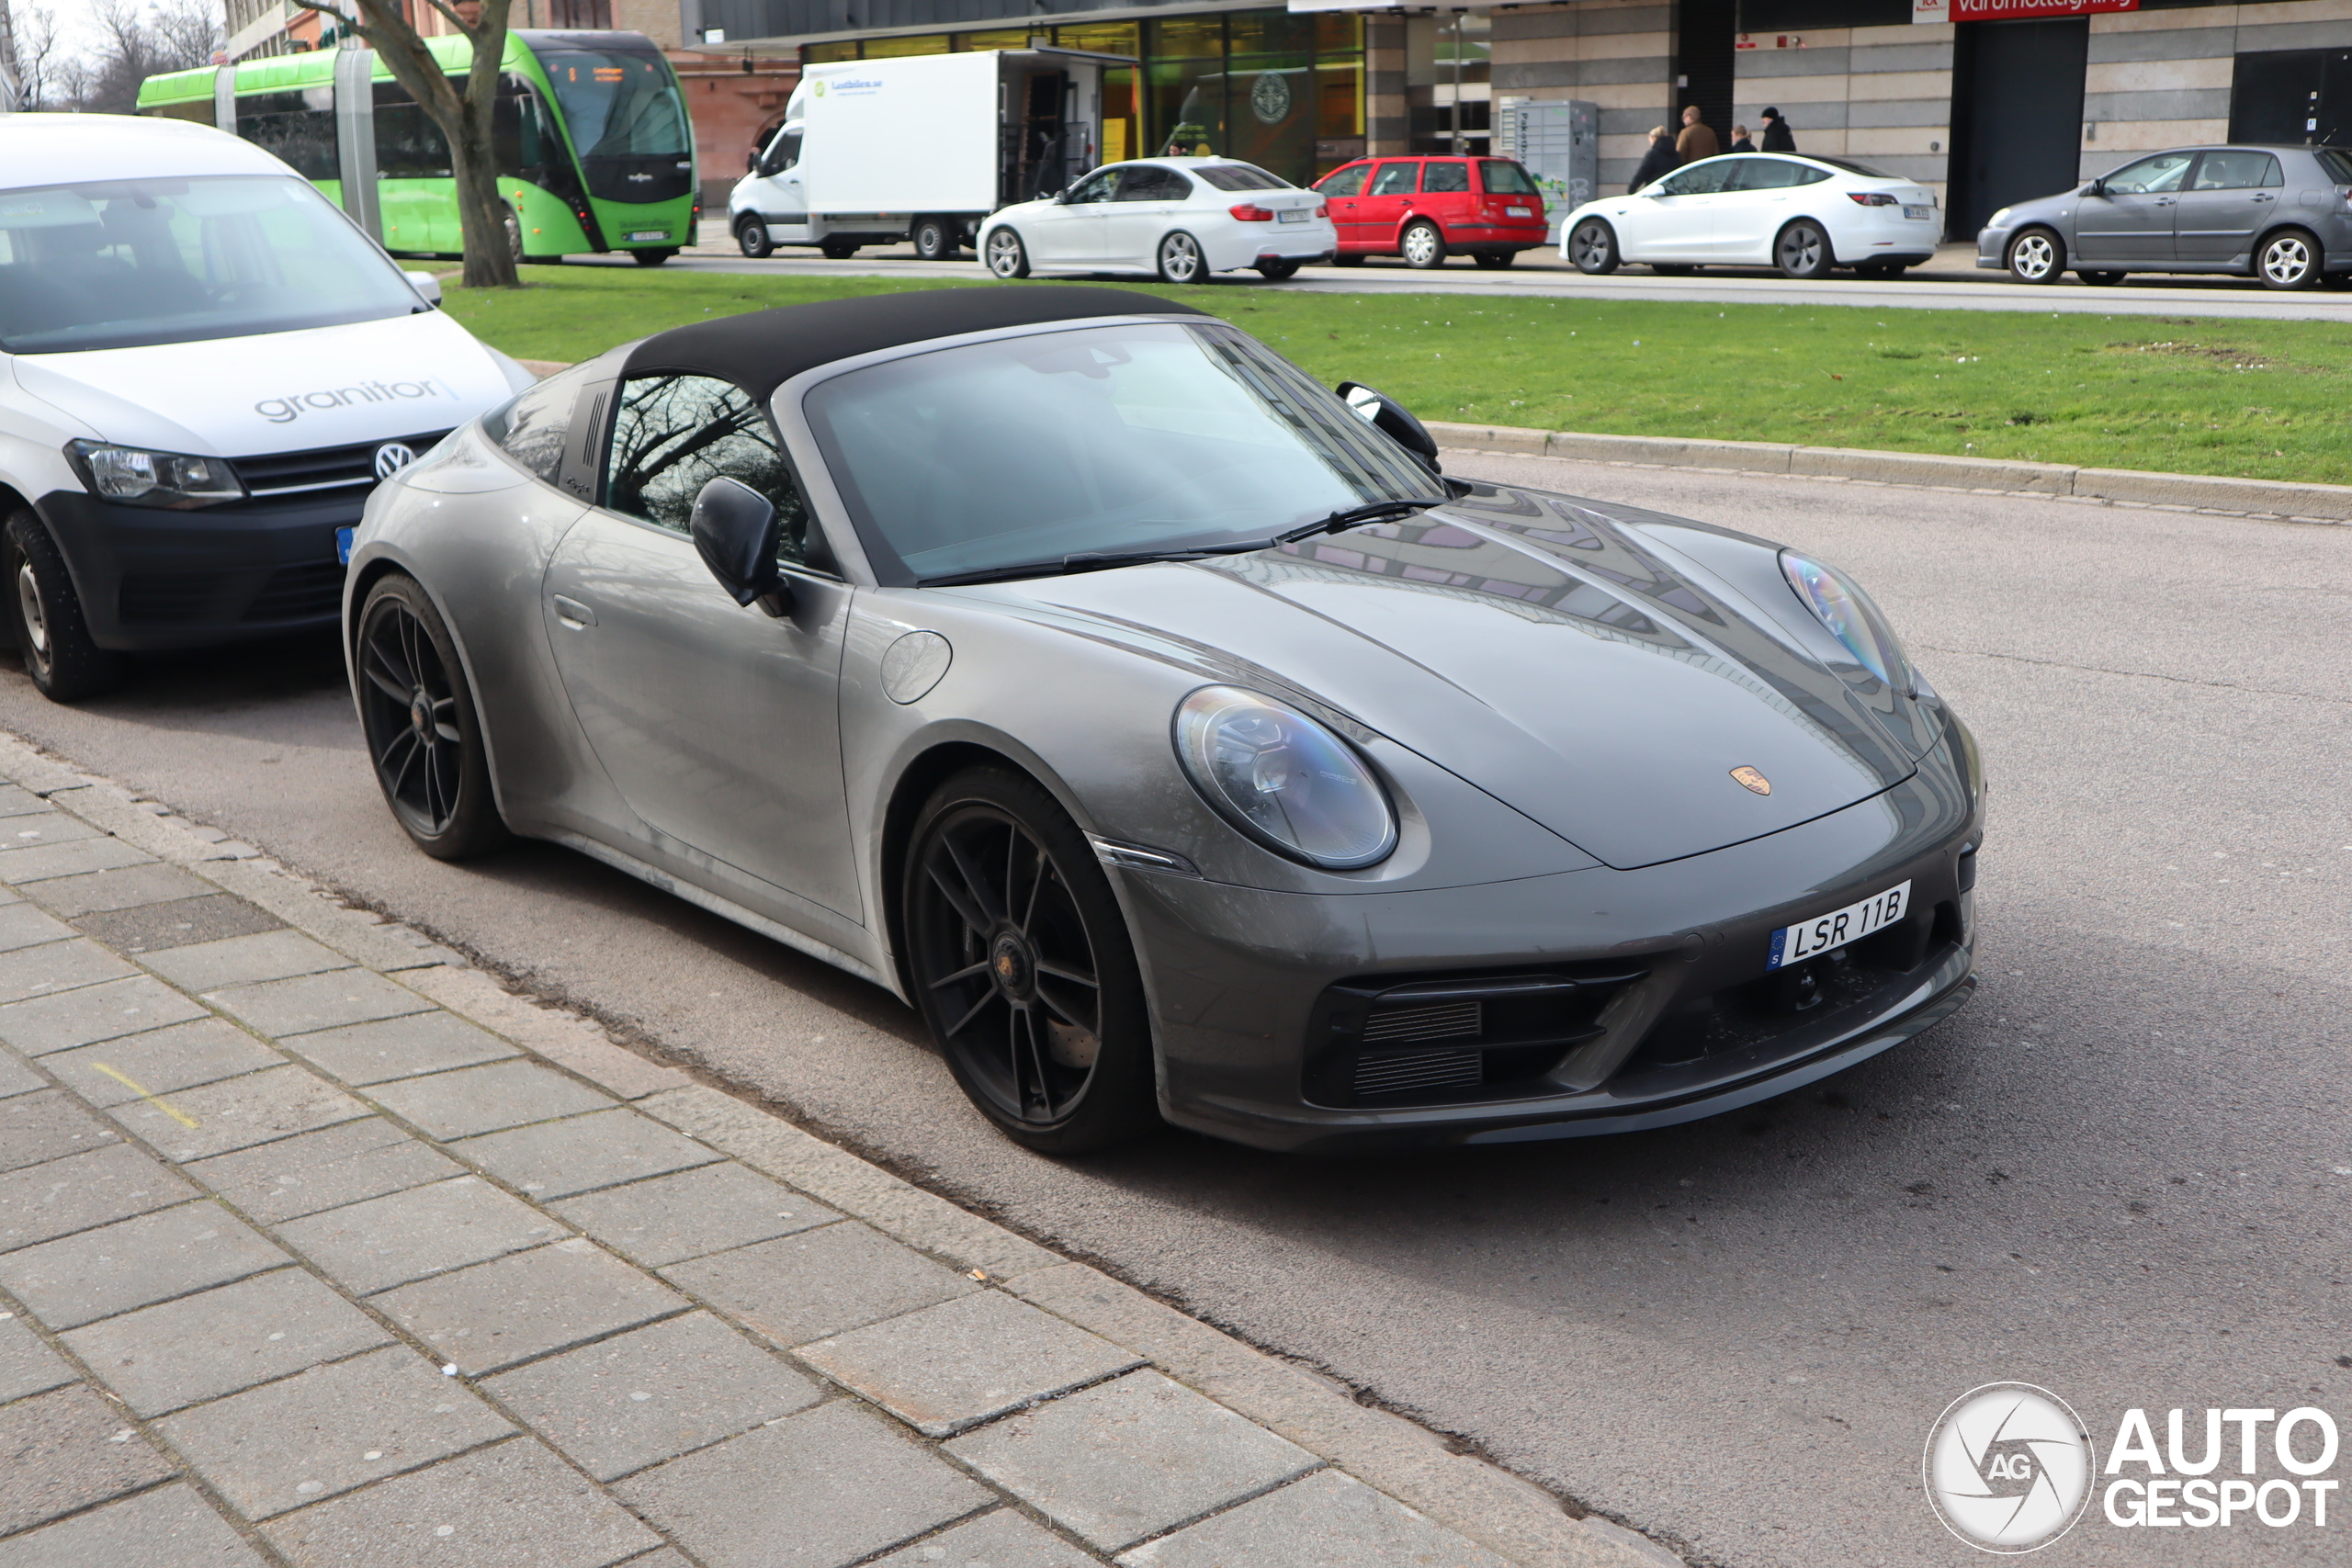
{"x": 1698, "y": 138}
{"x": 1656, "y": 164}
{"x": 1776, "y": 133}
{"x": 1739, "y": 141}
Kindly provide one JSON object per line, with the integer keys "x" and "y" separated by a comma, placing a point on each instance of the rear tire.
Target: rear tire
{"x": 838, "y": 250}
{"x": 1804, "y": 251}
{"x": 2104, "y": 279}
{"x": 652, "y": 258}
{"x": 1491, "y": 260}
{"x": 1021, "y": 963}
{"x": 1422, "y": 245}
{"x": 751, "y": 236}
{"x": 45, "y": 613}
{"x": 1592, "y": 247}
{"x": 2291, "y": 258}
{"x": 2038, "y": 255}
{"x": 424, "y": 735}
{"x": 1180, "y": 259}
{"x": 1007, "y": 256}
{"x": 1276, "y": 271}
{"x": 935, "y": 238}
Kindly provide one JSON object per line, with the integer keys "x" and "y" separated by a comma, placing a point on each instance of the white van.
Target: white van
{"x": 204, "y": 368}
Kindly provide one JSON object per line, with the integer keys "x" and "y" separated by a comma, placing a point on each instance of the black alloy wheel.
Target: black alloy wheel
{"x": 752, "y": 235}
{"x": 2102, "y": 279}
{"x": 1277, "y": 271}
{"x": 422, "y": 730}
{"x": 1593, "y": 247}
{"x": 935, "y": 238}
{"x": 1021, "y": 963}
{"x": 1006, "y": 255}
{"x": 1803, "y": 250}
{"x": 2038, "y": 255}
{"x": 2290, "y": 259}
{"x": 45, "y": 614}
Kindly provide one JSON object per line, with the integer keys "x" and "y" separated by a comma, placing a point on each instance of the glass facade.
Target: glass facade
{"x": 1283, "y": 91}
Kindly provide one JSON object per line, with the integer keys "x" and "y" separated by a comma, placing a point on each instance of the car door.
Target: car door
{"x": 1342, "y": 189}
{"x": 778, "y": 194}
{"x": 1756, "y": 201}
{"x": 1150, "y": 202}
{"x": 1674, "y": 220}
{"x": 2130, "y": 219}
{"x": 1386, "y": 200}
{"x": 1073, "y": 233}
{"x": 2233, "y": 194}
{"x": 1445, "y": 195}
{"x": 718, "y": 723}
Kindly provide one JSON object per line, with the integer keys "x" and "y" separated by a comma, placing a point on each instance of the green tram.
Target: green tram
{"x": 596, "y": 151}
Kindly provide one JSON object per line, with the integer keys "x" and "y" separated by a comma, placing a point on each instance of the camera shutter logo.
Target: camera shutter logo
{"x": 2008, "y": 1467}
{"x": 391, "y": 457}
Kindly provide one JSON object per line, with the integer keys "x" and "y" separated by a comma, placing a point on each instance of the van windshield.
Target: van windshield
{"x": 128, "y": 262}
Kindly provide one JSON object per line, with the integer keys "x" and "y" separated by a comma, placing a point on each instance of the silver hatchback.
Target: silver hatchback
{"x": 2282, "y": 214}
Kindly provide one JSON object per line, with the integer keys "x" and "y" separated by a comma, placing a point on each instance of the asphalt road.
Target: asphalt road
{"x": 2120, "y": 1173}
{"x": 1950, "y": 282}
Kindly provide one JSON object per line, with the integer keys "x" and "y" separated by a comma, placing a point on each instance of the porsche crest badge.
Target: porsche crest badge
{"x": 1750, "y": 779}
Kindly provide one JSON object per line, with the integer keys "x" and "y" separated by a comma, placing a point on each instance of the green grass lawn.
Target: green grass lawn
{"x": 2254, "y": 399}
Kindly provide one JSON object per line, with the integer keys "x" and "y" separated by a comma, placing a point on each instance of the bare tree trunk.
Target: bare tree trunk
{"x": 464, "y": 118}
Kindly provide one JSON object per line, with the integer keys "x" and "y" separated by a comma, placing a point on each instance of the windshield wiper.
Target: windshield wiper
{"x": 1099, "y": 560}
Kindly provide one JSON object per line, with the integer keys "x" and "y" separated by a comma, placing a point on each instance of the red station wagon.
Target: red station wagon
{"x": 1425, "y": 209}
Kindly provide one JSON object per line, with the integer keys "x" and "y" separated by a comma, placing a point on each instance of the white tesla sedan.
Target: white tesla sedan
{"x": 1181, "y": 217}
{"x": 1802, "y": 215}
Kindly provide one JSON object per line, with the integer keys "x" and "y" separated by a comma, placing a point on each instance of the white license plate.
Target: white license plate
{"x": 1919, "y": 213}
{"x": 648, "y": 233}
{"x": 1794, "y": 945}
{"x": 1295, "y": 214}
{"x": 1518, "y": 211}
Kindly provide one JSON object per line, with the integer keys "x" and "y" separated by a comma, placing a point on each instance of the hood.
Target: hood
{"x": 240, "y": 397}
{"x": 1543, "y": 653}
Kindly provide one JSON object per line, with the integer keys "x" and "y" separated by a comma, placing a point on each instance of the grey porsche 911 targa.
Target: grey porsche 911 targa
{"x": 1169, "y": 732}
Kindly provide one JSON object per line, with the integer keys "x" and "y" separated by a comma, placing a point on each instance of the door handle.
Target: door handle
{"x": 573, "y": 614}
{"x": 2266, "y": 198}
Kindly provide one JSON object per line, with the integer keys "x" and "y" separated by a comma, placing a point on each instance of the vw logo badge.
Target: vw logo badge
{"x": 391, "y": 457}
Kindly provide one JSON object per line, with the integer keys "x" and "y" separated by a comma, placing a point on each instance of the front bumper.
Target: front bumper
{"x": 151, "y": 580}
{"x": 1253, "y": 991}
{"x": 1993, "y": 249}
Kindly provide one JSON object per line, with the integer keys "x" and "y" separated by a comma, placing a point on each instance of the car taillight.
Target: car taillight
{"x": 1248, "y": 214}
{"x": 1322, "y": 209}
{"x": 1870, "y": 199}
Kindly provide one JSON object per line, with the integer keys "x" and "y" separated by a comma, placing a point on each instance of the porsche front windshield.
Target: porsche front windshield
{"x": 1099, "y": 439}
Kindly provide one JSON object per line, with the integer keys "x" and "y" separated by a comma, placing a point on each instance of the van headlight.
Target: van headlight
{"x": 153, "y": 479}
{"x": 1284, "y": 780}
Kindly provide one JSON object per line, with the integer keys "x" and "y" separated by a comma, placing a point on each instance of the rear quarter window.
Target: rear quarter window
{"x": 1240, "y": 176}
{"x": 1504, "y": 177}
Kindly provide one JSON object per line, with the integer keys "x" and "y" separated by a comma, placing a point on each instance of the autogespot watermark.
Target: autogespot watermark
{"x": 2010, "y": 1468}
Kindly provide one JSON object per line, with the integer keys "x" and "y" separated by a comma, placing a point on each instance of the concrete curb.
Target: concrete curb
{"x": 1507, "y": 1515}
{"x": 2252, "y": 497}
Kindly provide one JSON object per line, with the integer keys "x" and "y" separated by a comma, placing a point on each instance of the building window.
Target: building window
{"x": 584, "y": 15}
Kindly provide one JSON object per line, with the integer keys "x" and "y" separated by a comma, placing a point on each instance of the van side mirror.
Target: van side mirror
{"x": 752, "y": 161}
{"x": 736, "y": 531}
{"x": 1393, "y": 420}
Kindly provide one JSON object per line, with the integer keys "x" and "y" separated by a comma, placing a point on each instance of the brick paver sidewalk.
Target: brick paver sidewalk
{"x": 317, "y": 1247}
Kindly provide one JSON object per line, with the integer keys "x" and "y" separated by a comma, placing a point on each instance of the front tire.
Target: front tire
{"x": 45, "y": 613}
{"x": 1021, "y": 963}
{"x": 1592, "y": 247}
{"x": 1422, "y": 245}
{"x": 2038, "y": 255}
{"x": 423, "y": 732}
{"x": 1802, "y": 250}
{"x": 2290, "y": 259}
{"x": 751, "y": 236}
{"x": 935, "y": 238}
{"x": 1007, "y": 256}
{"x": 1180, "y": 259}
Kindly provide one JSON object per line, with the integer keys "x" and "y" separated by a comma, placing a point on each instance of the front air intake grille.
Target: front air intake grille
{"x": 1412, "y": 1025}
{"x": 322, "y": 467}
{"x": 163, "y": 598}
{"x": 299, "y": 593}
{"x": 1418, "y": 1070}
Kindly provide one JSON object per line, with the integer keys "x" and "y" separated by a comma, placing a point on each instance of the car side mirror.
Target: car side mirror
{"x": 1393, "y": 420}
{"x": 736, "y": 531}
{"x": 1062, "y": 197}
{"x": 2097, "y": 187}
{"x": 425, "y": 284}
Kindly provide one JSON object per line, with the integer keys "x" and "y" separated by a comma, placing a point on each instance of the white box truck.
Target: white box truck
{"x": 874, "y": 152}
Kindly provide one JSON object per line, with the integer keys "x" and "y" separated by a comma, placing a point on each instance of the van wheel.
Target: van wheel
{"x": 752, "y": 234}
{"x": 838, "y": 250}
{"x": 45, "y": 613}
{"x": 935, "y": 238}
{"x": 1423, "y": 246}
{"x": 1008, "y": 257}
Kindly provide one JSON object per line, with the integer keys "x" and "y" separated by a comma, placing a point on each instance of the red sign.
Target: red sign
{"x": 2006, "y": 10}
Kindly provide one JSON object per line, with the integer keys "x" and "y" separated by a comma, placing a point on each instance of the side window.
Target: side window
{"x": 1346, "y": 182}
{"x": 1503, "y": 177}
{"x": 1698, "y": 180}
{"x": 782, "y": 153}
{"x": 2149, "y": 175}
{"x": 1150, "y": 182}
{"x": 1396, "y": 179}
{"x": 1094, "y": 188}
{"x": 531, "y": 428}
{"x": 673, "y": 433}
{"x": 2236, "y": 171}
{"x": 1445, "y": 174}
{"x": 1751, "y": 173}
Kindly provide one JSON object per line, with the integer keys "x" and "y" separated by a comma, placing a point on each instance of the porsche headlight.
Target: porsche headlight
{"x": 151, "y": 479}
{"x": 1284, "y": 779}
{"x": 1841, "y": 605}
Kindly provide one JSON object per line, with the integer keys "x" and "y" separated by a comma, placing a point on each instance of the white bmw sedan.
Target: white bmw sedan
{"x": 1802, "y": 215}
{"x": 1181, "y": 217}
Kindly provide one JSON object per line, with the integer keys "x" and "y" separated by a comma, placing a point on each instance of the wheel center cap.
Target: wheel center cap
{"x": 420, "y": 717}
{"x": 1016, "y": 972}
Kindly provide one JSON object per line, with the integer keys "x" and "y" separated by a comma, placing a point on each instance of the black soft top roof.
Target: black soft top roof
{"x": 766, "y": 348}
